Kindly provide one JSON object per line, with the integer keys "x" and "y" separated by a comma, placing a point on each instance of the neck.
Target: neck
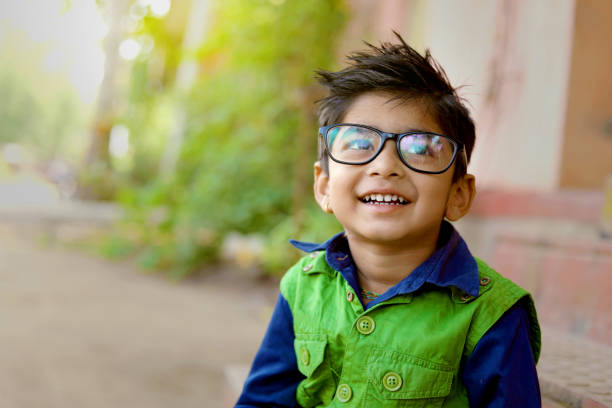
{"x": 381, "y": 266}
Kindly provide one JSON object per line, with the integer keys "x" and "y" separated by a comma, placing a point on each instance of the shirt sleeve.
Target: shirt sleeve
{"x": 501, "y": 370}
{"x": 274, "y": 375}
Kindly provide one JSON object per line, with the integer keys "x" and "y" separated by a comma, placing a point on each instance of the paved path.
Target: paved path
{"x": 80, "y": 331}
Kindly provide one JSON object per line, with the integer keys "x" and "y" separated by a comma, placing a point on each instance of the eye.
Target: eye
{"x": 359, "y": 144}
{"x": 436, "y": 144}
{"x": 417, "y": 149}
{"x": 331, "y": 135}
{"x": 415, "y": 144}
{"x": 354, "y": 143}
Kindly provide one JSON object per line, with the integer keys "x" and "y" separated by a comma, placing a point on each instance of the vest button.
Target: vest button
{"x": 365, "y": 325}
{"x": 307, "y": 268}
{"x": 484, "y": 281}
{"x": 392, "y": 381}
{"x": 305, "y": 355}
{"x": 349, "y": 296}
{"x": 344, "y": 393}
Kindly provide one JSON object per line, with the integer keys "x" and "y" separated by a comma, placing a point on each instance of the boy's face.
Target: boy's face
{"x": 428, "y": 197}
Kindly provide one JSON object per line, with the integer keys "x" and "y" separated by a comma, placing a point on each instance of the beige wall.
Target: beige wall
{"x": 535, "y": 73}
{"x": 587, "y": 145}
{"x": 373, "y": 21}
{"x": 513, "y": 56}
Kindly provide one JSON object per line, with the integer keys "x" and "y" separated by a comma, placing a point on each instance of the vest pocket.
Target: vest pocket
{"x": 309, "y": 351}
{"x": 401, "y": 380}
{"x": 319, "y": 384}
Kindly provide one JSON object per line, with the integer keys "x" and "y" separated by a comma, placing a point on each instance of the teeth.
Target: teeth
{"x": 384, "y": 198}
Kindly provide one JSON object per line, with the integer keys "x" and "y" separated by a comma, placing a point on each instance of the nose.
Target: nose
{"x": 387, "y": 163}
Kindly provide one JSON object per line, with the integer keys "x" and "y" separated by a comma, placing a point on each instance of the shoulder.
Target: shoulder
{"x": 497, "y": 295}
{"x": 309, "y": 268}
{"x": 496, "y": 289}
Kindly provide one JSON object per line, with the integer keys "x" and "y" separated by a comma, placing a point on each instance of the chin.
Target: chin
{"x": 383, "y": 235}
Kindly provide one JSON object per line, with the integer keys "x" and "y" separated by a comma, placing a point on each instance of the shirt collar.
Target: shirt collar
{"x": 451, "y": 264}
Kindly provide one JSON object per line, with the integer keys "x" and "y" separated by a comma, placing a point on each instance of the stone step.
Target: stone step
{"x": 575, "y": 372}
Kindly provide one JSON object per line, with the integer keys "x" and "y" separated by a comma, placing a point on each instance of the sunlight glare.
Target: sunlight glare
{"x": 159, "y": 8}
{"x": 129, "y": 49}
{"x": 72, "y": 38}
{"x": 119, "y": 144}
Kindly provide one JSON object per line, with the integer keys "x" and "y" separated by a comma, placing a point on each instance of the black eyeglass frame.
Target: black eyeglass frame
{"x": 323, "y": 131}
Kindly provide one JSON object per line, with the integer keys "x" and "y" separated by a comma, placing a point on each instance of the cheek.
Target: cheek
{"x": 338, "y": 191}
{"x": 341, "y": 183}
{"x": 434, "y": 195}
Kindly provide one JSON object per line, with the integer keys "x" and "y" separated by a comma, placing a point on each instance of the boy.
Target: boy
{"x": 395, "y": 311}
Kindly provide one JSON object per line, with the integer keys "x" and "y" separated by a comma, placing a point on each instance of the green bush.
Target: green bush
{"x": 250, "y": 136}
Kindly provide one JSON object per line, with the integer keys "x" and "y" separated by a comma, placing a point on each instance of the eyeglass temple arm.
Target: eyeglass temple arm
{"x": 464, "y": 154}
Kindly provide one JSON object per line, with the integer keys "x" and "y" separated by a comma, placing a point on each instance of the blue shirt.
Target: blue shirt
{"x": 500, "y": 372}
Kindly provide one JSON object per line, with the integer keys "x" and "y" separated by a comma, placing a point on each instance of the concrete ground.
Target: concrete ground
{"x": 81, "y": 331}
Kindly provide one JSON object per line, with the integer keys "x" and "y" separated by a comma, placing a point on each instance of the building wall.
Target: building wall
{"x": 513, "y": 58}
{"x": 535, "y": 74}
{"x": 587, "y": 144}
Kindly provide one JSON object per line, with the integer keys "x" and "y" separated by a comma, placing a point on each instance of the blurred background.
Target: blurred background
{"x": 176, "y": 138}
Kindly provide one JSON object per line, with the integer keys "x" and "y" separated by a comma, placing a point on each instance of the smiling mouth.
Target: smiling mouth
{"x": 384, "y": 199}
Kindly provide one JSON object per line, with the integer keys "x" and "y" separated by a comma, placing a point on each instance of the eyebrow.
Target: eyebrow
{"x": 409, "y": 130}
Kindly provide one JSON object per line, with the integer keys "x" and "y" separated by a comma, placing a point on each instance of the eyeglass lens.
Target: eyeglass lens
{"x": 422, "y": 151}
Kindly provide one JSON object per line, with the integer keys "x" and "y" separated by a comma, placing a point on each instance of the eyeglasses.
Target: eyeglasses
{"x": 424, "y": 152}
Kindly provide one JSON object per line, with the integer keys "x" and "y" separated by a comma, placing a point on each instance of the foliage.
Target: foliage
{"x": 249, "y": 133}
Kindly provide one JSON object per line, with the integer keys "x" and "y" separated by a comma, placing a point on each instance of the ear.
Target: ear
{"x": 321, "y": 187}
{"x": 460, "y": 197}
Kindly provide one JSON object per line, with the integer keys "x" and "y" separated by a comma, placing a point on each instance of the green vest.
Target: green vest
{"x": 403, "y": 352}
